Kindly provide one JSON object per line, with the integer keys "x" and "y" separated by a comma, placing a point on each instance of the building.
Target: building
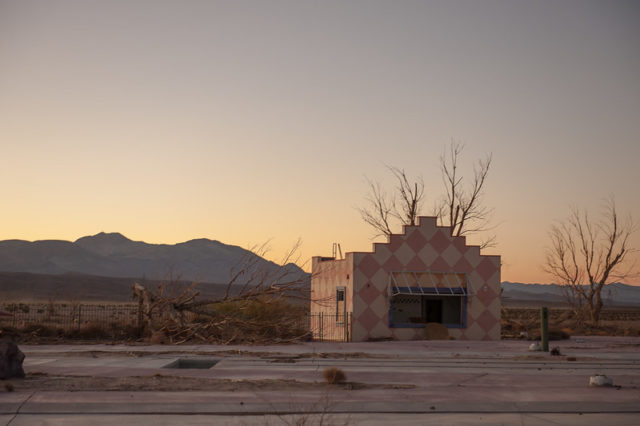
{"x": 421, "y": 275}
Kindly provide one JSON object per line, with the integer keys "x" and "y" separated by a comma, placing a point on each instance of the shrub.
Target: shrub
{"x": 39, "y": 330}
{"x": 91, "y": 331}
{"x": 334, "y": 375}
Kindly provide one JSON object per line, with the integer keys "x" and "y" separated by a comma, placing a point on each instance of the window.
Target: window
{"x": 417, "y": 298}
{"x": 341, "y": 306}
{"x": 418, "y": 309}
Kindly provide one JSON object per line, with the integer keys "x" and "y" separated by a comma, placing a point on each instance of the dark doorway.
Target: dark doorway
{"x": 433, "y": 310}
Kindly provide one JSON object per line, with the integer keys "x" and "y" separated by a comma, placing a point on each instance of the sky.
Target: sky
{"x": 254, "y": 121}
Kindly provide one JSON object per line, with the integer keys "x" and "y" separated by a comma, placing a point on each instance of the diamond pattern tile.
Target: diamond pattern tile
{"x": 486, "y": 320}
{"x": 404, "y": 254}
{"x": 368, "y": 319}
{"x": 451, "y": 255}
{"x": 462, "y": 265}
{"x": 428, "y": 254}
{"x": 440, "y": 241}
{"x": 382, "y": 253}
{"x": 380, "y": 305}
{"x": 393, "y": 264}
{"x": 368, "y": 294}
{"x": 416, "y": 240}
{"x": 486, "y": 295}
{"x": 368, "y": 266}
{"x": 416, "y": 264}
{"x": 460, "y": 243}
{"x": 439, "y": 265}
{"x": 486, "y": 269}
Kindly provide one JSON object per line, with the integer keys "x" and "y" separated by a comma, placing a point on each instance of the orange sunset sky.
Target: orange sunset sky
{"x": 245, "y": 121}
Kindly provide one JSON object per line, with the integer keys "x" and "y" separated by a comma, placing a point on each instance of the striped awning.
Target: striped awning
{"x": 428, "y": 283}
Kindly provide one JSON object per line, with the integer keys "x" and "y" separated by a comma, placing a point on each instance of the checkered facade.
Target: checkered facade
{"x": 424, "y": 247}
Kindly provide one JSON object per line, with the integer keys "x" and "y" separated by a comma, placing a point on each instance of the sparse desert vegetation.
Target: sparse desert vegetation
{"x": 248, "y": 321}
{"x": 521, "y": 322}
{"x": 251, "y": 321}
{"x": 334, "y": 376}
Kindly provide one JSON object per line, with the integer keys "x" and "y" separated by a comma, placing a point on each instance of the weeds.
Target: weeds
{"x": 564, "y": 323}
{"x": 334, "y": 376}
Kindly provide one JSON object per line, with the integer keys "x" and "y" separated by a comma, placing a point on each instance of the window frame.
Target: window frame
{"x": 341, "y": 316}
{"x": 463, "y": 312}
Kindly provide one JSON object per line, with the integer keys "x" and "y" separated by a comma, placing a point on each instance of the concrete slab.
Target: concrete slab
{"x": 461, "y": 419}
{"x": 463, "y": 382}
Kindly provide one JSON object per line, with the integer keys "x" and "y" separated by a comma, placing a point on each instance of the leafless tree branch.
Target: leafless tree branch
{"x": 255, "y": 305}
{"x": 461, "y": 209}
{"x": 411, "y": 194}
{"x": 585, "y": 255}
{"x": 379, "y": 209}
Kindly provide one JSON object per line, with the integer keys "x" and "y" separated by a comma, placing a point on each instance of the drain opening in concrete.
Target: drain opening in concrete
{"x": 192, "y": 363}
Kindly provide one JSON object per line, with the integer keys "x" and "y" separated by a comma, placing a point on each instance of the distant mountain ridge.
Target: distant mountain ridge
{"x": 114, "y": 255}
{"x": 615, "y": 294}
{"x": 205, "y": 261}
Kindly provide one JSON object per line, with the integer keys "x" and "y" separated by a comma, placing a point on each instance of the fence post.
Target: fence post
{"x": 79, "y": 315}
{"x": 347, "y": 327}
{"x": 321, "y": 335}
{"x": 544, "y": 328}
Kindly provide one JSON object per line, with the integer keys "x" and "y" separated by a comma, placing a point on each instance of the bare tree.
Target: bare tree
{"x": 405, "y": 206}
{"x": 462, "y": 208}
{"x": 379, "y": 209}
{"x": 585, "y": 256}
{"x": 254, "y": 306}
{"x": 410, "y": 193}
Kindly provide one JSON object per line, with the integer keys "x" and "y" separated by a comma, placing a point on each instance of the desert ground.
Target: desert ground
{"x": 418, "y": 382}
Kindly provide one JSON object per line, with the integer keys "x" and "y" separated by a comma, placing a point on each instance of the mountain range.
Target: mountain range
{"x": 95, "y": 266}
{"x": 615, "y": 294}
{"x": 114, "y": 255}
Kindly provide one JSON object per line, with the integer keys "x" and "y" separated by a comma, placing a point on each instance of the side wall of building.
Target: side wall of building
{"x": 327, "y": 275}
{"x": 425, "y": 247}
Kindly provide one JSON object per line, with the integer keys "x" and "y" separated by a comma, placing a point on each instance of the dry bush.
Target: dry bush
{"x": 436, "y": 331}
{"x": 255, "y": 308}
{"x": 35, "y": 333}
{"x": 39, "y": 330}
{"x": 91, "y": 331}
{"x": 564, "y": 323}
{"x": 246, "y": 321}
{"x": 334, "y": 375}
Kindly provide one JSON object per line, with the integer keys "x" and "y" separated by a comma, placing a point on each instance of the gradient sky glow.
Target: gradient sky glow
{"x": 244, "y": 121}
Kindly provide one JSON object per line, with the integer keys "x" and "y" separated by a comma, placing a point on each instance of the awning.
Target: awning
{"x": 428, "y": 283}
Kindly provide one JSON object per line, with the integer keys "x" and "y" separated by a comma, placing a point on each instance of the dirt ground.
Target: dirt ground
{"x": 159, "y": 382}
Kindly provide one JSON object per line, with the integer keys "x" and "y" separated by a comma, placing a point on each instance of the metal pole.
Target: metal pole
{"x": 349, "y": 327}
{"x": 544, "y": 328}
{"x": 79, "y": 315}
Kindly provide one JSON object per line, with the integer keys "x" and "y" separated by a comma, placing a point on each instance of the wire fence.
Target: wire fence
{"x": 329, "y": 326}
{"x": 68, "y": 315}
{"x": 74, "y": 316}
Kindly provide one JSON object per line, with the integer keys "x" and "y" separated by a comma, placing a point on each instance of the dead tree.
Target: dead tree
{"x": 461, "y": 208}
{"x": 255, "y": 306}
{"x": 381, "y": 209}
{"x": 585, "y": 256}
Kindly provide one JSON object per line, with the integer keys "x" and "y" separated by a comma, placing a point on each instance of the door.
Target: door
{"x": 433, "y": 310}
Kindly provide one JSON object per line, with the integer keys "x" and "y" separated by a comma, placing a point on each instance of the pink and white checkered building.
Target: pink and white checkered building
{"x": 421, "y": 275}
